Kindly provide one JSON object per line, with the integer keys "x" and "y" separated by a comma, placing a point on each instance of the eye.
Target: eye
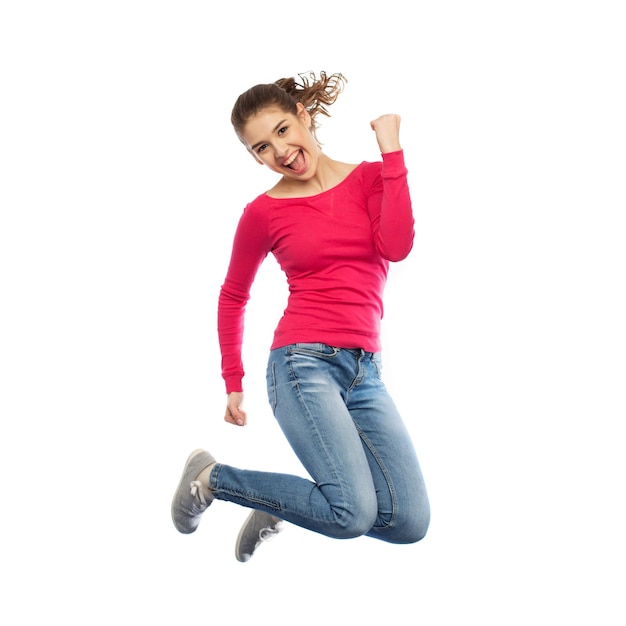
{"x": 261, "y": 148}
{"x": 282, "y": 131}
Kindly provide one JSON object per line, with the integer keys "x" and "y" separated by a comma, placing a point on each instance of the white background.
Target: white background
{"x": 121, "y": 183}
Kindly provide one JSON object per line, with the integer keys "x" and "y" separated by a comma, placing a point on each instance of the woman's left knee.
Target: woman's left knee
{"x": 415, "y": 530}
{"x": 405, "y": 529}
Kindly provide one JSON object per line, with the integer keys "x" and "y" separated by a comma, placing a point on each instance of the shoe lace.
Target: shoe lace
{"x": 197, "y": 491}
{"x": 269, "y": 532}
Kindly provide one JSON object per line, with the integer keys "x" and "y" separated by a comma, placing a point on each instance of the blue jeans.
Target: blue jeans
{"x": 344, "y": 427}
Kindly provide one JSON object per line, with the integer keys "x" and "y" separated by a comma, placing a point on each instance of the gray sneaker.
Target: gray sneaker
{"x": 189, "y": 502}
{"x": 258, "y": 527}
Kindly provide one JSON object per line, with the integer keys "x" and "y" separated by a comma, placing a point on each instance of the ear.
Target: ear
{"x": 303, "y": 114}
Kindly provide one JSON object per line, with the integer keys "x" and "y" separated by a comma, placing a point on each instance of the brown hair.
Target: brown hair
{"x": 315, "y": 94}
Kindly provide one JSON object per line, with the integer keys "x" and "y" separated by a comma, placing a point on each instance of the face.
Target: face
{"x": 283, "y": 141}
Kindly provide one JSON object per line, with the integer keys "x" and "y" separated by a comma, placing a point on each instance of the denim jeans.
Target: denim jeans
{"x": 365, "y": 478}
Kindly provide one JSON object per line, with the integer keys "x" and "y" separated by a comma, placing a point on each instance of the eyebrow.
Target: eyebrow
{"x": 260, "y": 143}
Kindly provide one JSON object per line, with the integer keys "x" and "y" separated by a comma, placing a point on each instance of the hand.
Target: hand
{"x": 387, "y": 129}
{"x": 234, "y": 414}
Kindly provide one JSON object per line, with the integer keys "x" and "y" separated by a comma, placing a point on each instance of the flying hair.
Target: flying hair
{"x": 315, "y": 93}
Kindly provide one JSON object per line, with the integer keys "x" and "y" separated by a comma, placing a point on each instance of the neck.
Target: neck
{"x": 328, "y": 174}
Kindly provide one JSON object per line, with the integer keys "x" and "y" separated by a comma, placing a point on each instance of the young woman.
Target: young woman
{"x": 334, "y": 228}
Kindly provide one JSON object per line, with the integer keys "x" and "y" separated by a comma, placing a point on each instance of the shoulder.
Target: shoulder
{"x": 389, "y": 162}
{"x": 368, "y": 173}
{"x": 370, "y": 169}
{"x": 391, "y": 166}
{"x": 255, "y": 214}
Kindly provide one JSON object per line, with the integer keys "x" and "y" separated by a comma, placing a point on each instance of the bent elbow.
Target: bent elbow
{"x": 397, "y": 253}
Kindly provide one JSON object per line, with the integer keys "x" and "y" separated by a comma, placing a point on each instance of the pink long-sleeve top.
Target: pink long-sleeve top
{"x": 334, "y": 247}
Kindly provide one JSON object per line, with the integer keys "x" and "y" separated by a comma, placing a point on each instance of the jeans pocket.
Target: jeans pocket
{"x": 313, "y": 349}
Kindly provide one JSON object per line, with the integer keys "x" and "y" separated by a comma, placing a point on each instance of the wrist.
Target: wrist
{"x": 390, "y": 147}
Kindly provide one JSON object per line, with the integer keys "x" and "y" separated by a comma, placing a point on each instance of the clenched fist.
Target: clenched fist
{"x": 387, "y": 129}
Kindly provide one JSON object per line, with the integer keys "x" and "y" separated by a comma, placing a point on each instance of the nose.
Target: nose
{"x": 280, "y": 149}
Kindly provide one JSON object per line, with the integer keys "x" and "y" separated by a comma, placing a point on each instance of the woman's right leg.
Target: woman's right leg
{"x": 304, "y": 385}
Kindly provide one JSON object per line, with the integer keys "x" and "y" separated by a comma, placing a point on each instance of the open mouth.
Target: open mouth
{"x": 296, "y": 161}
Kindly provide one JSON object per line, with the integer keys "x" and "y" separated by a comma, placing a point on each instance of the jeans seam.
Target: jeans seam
{"x": 271, "y": 379}
{"x": 383, "y": 469}
{"x": 271, "y": 504}
{"x": 303, "y": 404}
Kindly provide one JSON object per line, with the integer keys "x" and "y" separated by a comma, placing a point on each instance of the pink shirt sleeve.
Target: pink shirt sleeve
{"x": 390, "y": 210}
{"x": 250, "y": 247}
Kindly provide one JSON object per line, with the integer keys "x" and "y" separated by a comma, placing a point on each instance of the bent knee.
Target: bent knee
{"x": 353, "y": 523}
{"x": 417, "y": 533}
{"x": 415, "y": 528}
{"x": 405, "y": 531}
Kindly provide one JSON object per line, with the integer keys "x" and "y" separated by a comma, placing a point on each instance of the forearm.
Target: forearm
{"x": 395, "y": 227}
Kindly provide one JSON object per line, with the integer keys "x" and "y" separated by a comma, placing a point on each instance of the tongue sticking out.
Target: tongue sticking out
{"x": 298, "y": 163}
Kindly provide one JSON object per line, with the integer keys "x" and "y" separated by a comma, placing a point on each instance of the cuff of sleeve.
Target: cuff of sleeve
{"x": 233, "y": 383}
{"x": 393, "y": 164}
